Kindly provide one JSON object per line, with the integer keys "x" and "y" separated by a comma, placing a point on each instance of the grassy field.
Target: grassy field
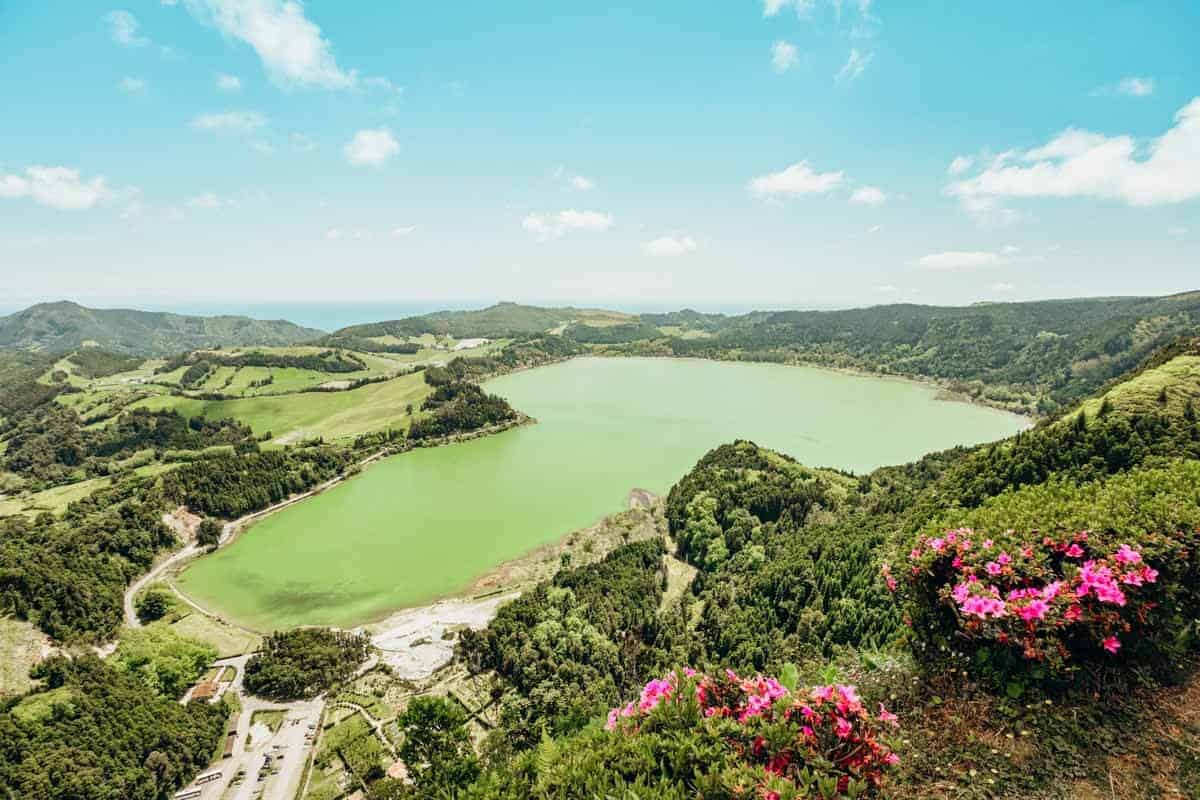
{"x": 184, "y": 620}
{"x": 53, "y": 500}
{"x": 228, "y": 640}
{"x": 328, "y": 414}
{"x": 1179, "y": 377}
{"x": 21, "y": 644}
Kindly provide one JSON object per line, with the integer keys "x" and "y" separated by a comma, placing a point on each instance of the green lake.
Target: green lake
{"x": 424, "y": 524}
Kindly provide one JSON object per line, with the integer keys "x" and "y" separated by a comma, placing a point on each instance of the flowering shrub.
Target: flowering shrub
{"x": 1053, "y": 602}
{"x": 785, "y": 744}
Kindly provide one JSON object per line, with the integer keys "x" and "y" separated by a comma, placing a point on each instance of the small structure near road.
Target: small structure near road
{"x": 468, "y": 344}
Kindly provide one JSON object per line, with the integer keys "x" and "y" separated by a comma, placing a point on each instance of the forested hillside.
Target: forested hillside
{"x": 1047, "y": 354}
{"x": 1039, "y": 356}
{"x": 62, "y": 327}
{"x": 1026, "y": 613}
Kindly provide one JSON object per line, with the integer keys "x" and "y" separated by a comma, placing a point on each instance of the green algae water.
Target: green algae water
{"x": 423, "y": 524}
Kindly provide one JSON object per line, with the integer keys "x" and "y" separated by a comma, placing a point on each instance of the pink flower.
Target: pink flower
{"x": 888, "y": 717}
{"x": 842, "y": 728}
{"x": 1004, "y": 559}
{"x": 1132, "y": 578}
{"x": 983, "y": 607}
{"x": 1035, "y": 610}
{"x": 891, "y": 759}
{"x": 822, "y": 693}
{"x": 993, "y": 568}
{"x": 1073, "y": 613}
{"x": 987, "y": 544}
{"x": 1074, "y": 551}
{"x": 1149, "y": 575}
{"x": 1127, "y": 555}
{"x": 1027, "y": 552}
{"x": 1112, "y": 644}
{"x": 1051, "y": 590}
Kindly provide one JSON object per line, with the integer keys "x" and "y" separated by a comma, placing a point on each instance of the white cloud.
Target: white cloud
{"x": 794, "y": 181}
{"x": 208, "y": 200}
{"x": 236, "y": 122}
{"x": 1132, "y": 86}
{"x": 959, "y": 259}
{"x": 264, "y": 148}
{"x": 131, "y": 85}
{"x": 960, "y": 164}
{"x": 869, "y": 196}
{"x": 855, "y": 65}
{"x": 404, "y": 230}
{"x": 301, "y": 143}
{"x": 371, "y": 147}
{"x": 671, "y": 246}
{"x": 123, "y": 27}
{"x": 1136, "y": 87}
{"x": 291, "y": 47}
{"x": 55, "y": 187}
{"x": 784, "y": 56}
{"x": 1079, "y": 163}
{"x": 887, "y": 288}
{"x": 875, "y": 229}
{"x": 803, "y": 8}
{"x": 1010, "y": 249}
{"x": 333, "y": 234}
{"x": 581, "y": 183}
{"x": 228, "y": 83}
{"x": 1003, "y": 286}
{"x": 551, "y": 226}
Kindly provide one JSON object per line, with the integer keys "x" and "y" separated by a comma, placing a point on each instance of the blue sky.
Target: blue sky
{"x": 778, "y": 153}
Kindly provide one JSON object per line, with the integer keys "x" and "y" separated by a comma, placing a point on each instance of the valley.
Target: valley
{"x": 453, "y": 486}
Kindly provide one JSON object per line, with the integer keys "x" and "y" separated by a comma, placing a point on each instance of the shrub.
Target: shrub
{"x": 1045, "y": 606}
{"x": 824, "y": 742}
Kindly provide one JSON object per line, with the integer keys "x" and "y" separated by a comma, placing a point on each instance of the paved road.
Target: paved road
{"x": 288, "y": 741}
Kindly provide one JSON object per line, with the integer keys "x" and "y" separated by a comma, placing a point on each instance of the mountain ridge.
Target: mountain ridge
{"x": 63, "y": 326}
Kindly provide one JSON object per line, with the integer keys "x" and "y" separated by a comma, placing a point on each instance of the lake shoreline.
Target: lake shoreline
{"x": 777, "y": 386}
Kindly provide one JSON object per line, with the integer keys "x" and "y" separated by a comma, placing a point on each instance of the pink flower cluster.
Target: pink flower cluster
{"x": 830, "y": 723}
{"x": 1029, "y": 596}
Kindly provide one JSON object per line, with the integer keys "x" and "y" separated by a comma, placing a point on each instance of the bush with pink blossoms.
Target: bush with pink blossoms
{"x": 1049, "y": 604}
{"x": 779, "y": 744}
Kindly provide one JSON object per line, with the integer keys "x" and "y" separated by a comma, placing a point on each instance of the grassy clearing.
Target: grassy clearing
{"x": 328, "y": 414}
{"x": 679, "y": 577}
{"x": 22, "y": 645}
{"x": 1179, "y": 378}
{"x": 53, "y": 500}
{"x": 40, "y": 705}
{"x": 271, "y": 717}
{"x": 228, "y": 640}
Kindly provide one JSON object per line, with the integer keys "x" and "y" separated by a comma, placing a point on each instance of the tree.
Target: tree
{"x": 304, "y": 662}
{"x": 437, "y": 748}
{"x": 153, "y": 605}
{"x": 209, "y": 533}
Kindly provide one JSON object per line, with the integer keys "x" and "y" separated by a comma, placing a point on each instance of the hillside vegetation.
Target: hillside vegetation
{"x": 1039, "y": 357}
{"x": 62, "y": 327}
{"x": 1024, "y": 612}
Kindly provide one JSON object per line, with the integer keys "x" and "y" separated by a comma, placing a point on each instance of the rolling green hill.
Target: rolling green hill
{"x": 498, "y": 321}
{"x": 64, "y": 326}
